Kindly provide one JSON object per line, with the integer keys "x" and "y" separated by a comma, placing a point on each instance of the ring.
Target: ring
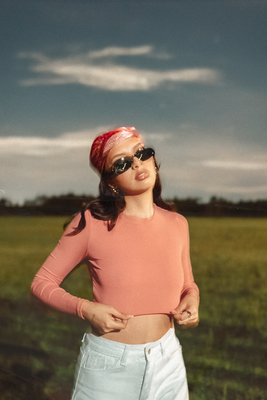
{"x": 189, "y": 314}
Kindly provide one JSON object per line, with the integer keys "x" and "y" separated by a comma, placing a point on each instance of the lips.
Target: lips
{"x": 141, "y": 175}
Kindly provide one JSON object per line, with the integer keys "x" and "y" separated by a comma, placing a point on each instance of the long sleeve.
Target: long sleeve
{"x": 189, "y": 283}
{"x": 69, "y": 252}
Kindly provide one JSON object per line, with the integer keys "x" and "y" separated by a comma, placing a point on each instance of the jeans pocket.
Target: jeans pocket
{"x": 96, "y": 361}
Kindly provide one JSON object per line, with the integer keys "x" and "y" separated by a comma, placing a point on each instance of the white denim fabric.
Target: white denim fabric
{"x": 108, "y": 370}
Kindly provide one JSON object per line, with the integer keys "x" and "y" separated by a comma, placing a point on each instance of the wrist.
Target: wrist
{"x": 193, "y": 295}
{"x": 86, "y": 310}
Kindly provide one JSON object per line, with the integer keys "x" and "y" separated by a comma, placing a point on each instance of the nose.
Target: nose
{"x": 136, "y": 162}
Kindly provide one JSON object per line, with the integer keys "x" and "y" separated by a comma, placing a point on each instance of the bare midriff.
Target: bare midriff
{"x": 142, "y": 329}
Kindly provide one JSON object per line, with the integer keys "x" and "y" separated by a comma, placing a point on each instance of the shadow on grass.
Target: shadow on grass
{"x": 38, "y": 351}
{"x": 225, "y": 362}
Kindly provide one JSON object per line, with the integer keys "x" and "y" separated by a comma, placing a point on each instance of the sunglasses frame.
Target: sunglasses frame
{"x": 138, "y": 154}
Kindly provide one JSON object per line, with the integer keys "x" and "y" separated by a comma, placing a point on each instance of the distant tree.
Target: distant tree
{"x": 70, "y": 204}
{"x": 38, "y": 201}
{"x": 5, "y": 203}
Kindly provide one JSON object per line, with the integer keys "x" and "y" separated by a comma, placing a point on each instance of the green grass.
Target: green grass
{"x": 226, "y": 356}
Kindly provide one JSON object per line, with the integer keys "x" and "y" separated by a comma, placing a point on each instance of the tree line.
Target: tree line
{"x": 71, "y": 204}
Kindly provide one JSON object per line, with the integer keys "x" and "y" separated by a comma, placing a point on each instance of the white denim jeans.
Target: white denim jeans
{"x": 108, "y": 370}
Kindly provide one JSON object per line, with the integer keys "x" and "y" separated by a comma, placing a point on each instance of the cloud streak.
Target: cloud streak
{"x": 115, "y": 51}
{"x": 99, "y": 70}
{"x": 32, "y": 166}
{"x": 235, "y": 165}
{"x": 39, "y": 146}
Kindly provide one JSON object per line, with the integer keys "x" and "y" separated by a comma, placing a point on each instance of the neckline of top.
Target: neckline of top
{"x": 138, "y": 219}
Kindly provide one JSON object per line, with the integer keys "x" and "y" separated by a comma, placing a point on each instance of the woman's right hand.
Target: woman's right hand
{"x": 103, "y": 318}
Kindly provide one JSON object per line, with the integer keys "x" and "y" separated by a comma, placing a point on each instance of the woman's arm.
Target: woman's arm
{"x": 186, "y": 313}
{"x": 69, "y": 252}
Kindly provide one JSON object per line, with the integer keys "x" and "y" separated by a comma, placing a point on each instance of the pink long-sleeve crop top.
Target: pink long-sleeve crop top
{"x": 141, "y": 266}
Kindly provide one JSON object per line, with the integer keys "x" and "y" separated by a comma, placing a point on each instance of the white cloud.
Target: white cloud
{"x": 201, "y": 164}
{"x": 63, "y": 144}
{"x": 32, "y": 166}
{"x": 39, "y": 146}
{"x": 121, "y": 51}
{"x": 235, "y": 165}
{"x": 115, "y": 51}
{"x": 156, "y": 137}
{"x": 106, "y": 75}
{"x": 258, "y": 190}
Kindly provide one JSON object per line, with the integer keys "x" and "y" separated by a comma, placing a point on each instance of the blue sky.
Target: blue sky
{"x": 189, "y": 75}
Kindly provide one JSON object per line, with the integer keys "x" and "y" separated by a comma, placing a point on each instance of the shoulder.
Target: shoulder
{"x": 181, "y": 219}
{"x": 182, "y": 224}
{"x": 76, "y": 220}
{"x": 172, "y": 218}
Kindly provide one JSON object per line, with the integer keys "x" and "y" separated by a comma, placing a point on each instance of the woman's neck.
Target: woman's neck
{"x": 139, "y": 206}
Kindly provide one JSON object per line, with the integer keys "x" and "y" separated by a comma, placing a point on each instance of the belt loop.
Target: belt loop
{"x": 124, "y": 356}
{"x": 84, "y": 336}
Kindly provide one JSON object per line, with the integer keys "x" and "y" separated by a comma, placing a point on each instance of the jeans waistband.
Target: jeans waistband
{"x": 126, "y": 351}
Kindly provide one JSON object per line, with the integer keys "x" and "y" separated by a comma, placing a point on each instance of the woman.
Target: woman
{"x": 137, "y": 254}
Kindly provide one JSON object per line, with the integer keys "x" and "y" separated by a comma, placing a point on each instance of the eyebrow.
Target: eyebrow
{"x": 120, "y": 155}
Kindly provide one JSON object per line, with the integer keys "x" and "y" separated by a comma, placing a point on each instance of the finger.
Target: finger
{"x": 182, "y": 316}
{"x": 118, "y": 324}
{"x": 189, "y": 322}
{"x": 111, "y": 326}
{"x": 189, "y": 325}
{"x": 185, "y": 316}
{"x": 180, "y": 309}
{"x": 120, "y": 316}
{"x": 176, "y": 313}
{"x": 177, "y": 310}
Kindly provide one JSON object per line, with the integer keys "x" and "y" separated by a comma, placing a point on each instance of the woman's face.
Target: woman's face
{"x": 138, "y": 179}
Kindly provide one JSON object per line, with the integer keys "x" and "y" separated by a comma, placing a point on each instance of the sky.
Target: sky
{"x": 189, "y": 75}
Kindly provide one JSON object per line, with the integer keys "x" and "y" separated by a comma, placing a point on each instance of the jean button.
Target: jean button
{"x": 149, "y": 351}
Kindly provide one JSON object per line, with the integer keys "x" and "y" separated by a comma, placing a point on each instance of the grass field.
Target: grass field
{"x": 226, "y": 356}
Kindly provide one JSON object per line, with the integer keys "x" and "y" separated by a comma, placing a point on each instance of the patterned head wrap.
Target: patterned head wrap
{"x": 104, "y": 143}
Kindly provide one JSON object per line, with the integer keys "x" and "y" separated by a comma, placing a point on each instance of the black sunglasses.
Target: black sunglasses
{"x": 124, "y": 163}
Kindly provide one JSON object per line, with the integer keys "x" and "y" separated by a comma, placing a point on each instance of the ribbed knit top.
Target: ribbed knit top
{"x": 142, "y": 266}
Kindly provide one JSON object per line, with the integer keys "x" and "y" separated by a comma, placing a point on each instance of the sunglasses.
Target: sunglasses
{"x": 125, "y": 163}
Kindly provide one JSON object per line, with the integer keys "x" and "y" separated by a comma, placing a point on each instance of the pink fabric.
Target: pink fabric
{"x": 104, "y": 143}
{"x": 117, "y": 138}
{"x": 142, "y": 266}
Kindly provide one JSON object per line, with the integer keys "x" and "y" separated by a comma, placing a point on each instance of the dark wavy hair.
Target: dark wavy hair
{"x": 109, "y": 203}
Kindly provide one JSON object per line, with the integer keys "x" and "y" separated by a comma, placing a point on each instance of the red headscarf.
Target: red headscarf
{"x": 104, "y": 143}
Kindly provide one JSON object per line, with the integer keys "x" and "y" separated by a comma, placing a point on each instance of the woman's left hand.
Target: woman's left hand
{"x": 186, "y": 314}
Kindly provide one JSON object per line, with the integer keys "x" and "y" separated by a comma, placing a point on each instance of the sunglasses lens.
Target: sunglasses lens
{"x": 145, "y": 154}
{"x": 123, "y": 164}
